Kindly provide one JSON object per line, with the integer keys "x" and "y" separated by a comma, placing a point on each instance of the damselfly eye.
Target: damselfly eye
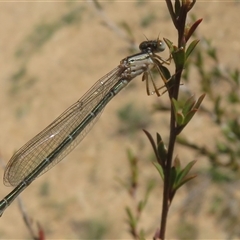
{"x": 160, "y": 46}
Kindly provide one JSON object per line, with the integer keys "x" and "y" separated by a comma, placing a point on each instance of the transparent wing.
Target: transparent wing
{"x": 37, "y": 149}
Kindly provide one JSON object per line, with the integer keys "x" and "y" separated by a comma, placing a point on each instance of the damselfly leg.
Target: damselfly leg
{"x": 152, "y": 47}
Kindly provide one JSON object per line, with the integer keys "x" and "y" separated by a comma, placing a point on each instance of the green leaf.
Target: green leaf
{"x": 160, "y": 169}
{"x": 159, "y": 138}
{"x": 179, "y": 119}
{"x": 131, "y": 219}
{"x": 142, "y": 235}
{"x": 235, "y": 75}
{"x": 184, "y": 181}
{"x": 178, "y": 116}
{"x": 150, "y": 187}
{"x": 189, "y": 116}
{"x": 191, "y": 47}
{"x": 173, "y": 176}
{"x": 184, "y": 173}
{"x": 150, "y": 138}
{"x": 175, "y": 105}
{"x": 194, "y": 108}
{"x": 141, "y": 205}
{"x": 130, "y": 156}
{"x": 190, "y": 108}
{"x": 169, "y": 44}
{"x": 128, "y": 30}
{"x": 188, "y": 105}
{"x": 199, "y": 101}
{"x": 177, "y": 164}
{"x": 133, "y": 161}
{"x": 179, "y": 57}
{"x": 177, "y": 7}
{"x": 192, "y": 29}
{"x": 162, "y": 151}
{"x": 97, "y": 5}
{"x": 222, "y": 147}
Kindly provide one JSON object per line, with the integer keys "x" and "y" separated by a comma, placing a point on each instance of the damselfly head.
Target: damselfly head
{"x": 153, "y": 46}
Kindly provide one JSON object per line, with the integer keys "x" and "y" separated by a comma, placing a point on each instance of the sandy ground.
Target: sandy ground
{"x": 38, "y": 82}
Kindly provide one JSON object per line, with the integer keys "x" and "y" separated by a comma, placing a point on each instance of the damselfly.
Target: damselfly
{"x": 52, "y": 144}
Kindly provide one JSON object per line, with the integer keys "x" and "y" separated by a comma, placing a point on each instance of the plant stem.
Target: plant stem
{"x": 179, "y": 22}
{"x": 167, "y": 179}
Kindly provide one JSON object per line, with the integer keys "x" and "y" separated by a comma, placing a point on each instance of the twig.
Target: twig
{"x": 27, "y": 220}
{"x": 111, "y": 25}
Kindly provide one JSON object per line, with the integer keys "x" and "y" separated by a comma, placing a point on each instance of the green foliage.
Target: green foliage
{"x": 35, "y": 40}
{"x": 184, "y": 115}
{"x": 44, "y": 190}
{"x": 186, "y": 230}
{"x": 159, "y": 148}
{"x": 147, "y": 20}
{"x": 132, "y": 186}
{"x": 132, "y": 118}
{"x": 43, "y": 32}
{"x": 226, "y": 152}
{"x": 21, "y": 80}
{"x": 172, "y": 174}
{"x": 91, "y": 229}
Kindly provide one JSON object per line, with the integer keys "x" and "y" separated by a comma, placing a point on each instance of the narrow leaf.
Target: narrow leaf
{"x": 128, "y": 30}
{"x": 130, "y": 156}
{"x": 150, "y": 187}
{"x": 173, "y": 177}
{"x": 142, "y": 235}
{"x": 97, "y": 5}
{"x": 159, "y": 138}
{"x": 199, "y": 101}
{"x": 177, "y": 7}
{"x": 179, "y": 129}
{"x": 189, "y": 116}
{"x": 162, "y": 153}
{"x": 152, "y": 142}
{"x": 175, "y": 105}
{"x": 188, "y": 105}
{"x": 171, "y": 11}
{"x": 179, "y": 119}
{"x": 160, "y": 169}
{"x": 192, "y": 29}
{"x": 141, "y": 205}
{"x": 177, "y": 163}
{"x": 184, "y": 181}
{"x": 191, "y": 47}
{"x": 179, "y": 57}
{"x": 132, "y": 221}
{"x": 184, "y": 172}
{"x": 169, "y": 44}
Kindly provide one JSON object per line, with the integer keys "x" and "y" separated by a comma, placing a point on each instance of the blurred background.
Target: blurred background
{"x": 51, "y": 53}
